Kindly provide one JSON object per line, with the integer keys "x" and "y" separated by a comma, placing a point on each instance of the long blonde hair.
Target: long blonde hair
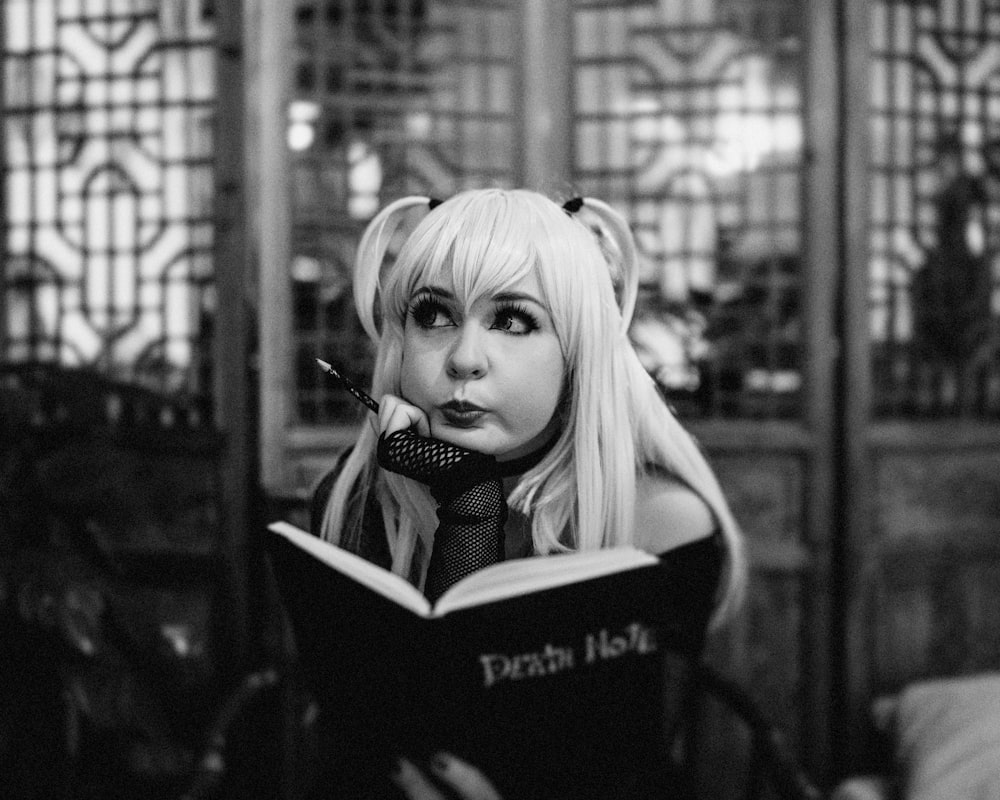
{"x": 582, "y": 495}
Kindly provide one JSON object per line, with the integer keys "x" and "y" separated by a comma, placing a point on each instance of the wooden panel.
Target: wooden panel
{"x": 937, "y": 497}
{"x": 136, "y": 500}
{"x": 766, "y": 494}
{"x": 114, "y": 575}
{"x": 925, "y": 583}
{"x": 932, "y": 566}
{"x": 766, "y": 648}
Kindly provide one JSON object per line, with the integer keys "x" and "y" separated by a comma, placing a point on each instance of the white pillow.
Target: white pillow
{"x": 948, "y": 738}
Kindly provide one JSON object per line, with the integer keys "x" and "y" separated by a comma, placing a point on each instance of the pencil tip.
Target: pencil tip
{"x": 323, "y": 364}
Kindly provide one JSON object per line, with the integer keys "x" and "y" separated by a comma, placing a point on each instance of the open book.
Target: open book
{"x": 546, "y": 673}
{"x": 503, "y": 580}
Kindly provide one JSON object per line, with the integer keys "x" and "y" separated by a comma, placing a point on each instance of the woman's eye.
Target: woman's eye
{"x": 514, "y": 320}
{"x": 430, "y": 313}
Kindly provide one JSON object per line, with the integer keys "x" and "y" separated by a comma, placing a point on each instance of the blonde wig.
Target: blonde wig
{"x": 615, "y": 424}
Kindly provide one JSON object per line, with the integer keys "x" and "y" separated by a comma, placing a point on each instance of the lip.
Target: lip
{"x": 461, "y": 414}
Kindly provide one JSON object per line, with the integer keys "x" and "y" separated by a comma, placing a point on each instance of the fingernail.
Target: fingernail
{"x": 441, "y": 762}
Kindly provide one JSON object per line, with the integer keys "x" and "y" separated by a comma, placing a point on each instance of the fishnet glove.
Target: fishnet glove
{"x": 472, "y": 507}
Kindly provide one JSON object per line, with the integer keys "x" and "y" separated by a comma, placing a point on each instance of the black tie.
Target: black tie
{"x": 472, "y": 508}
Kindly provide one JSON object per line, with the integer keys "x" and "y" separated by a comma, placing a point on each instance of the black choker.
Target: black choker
{"x": 521, "y": 464}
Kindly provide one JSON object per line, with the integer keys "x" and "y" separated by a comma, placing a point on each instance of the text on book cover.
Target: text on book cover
{"x": 602, "y": 645}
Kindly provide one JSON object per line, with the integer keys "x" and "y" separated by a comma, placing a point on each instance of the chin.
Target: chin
{"x": 472, "y": 438}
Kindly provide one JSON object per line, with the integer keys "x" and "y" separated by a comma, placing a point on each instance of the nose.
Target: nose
{"x": 467, "y": 357}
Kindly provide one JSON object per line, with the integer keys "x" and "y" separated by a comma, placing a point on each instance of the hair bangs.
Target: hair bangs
{"x": 482, "y": 270}
{"x": 479, "y": 248}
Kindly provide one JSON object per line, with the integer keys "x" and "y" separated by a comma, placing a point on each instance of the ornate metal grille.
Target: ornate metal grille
{"x": 935, "y": 207}
{"x": 108, "y": 154}
{"x": 390, "y": 98}
{"x": 688, "y": 116}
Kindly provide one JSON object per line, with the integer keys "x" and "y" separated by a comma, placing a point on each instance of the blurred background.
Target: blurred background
{"x": 814, "y": 187}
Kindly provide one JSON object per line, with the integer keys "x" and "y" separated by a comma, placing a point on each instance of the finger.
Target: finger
{"x": 403, "y": 417}
{"x": 413, "y": 783}
{"x": 386, "y": 406}
{"x": 464, "y": 778}
{"x": 423, "y": 426}
{"x": 396, "y": 414}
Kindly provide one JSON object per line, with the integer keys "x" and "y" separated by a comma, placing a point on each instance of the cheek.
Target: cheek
{"x": 409, "y": 377}
{"x": 417, "y": 370}
{"x": 540, "y": 390}
{"x": 536, "y": 410}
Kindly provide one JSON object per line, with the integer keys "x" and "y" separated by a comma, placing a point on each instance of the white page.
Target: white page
{"x": 496, "y": 582}
{"x": 520, "y": 576}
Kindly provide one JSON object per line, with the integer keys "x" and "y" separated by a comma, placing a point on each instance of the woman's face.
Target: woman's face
{"x": 489, "y": 376}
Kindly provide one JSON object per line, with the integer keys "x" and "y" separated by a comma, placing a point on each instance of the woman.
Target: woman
{"x": 503, "y": 353}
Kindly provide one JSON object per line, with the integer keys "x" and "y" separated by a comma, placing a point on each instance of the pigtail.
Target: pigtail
{"x": 341, "y": 522}
{"x": 372, "y": 248}
{"x": 625, "y": 261}
{"x": 662, "y": 439}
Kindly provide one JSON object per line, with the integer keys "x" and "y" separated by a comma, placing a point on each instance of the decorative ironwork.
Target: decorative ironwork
{"x": 390, "y": 98}
{"x": 935, "y": 237}
{"x": 108, "y": 154}
{"x": 689, "y": 116}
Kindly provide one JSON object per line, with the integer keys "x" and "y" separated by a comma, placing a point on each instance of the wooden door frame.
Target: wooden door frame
{"x": 545, "y": 81}
{"x": 269, "y": 36}
{"x": 820, "y": 282}
{"x": 854, "y": 374}
{"x": 231, "y": 388}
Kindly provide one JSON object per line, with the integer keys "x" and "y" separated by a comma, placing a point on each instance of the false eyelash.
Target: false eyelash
{"x": 426, "y": 301}
{"x": 514, "y": 309}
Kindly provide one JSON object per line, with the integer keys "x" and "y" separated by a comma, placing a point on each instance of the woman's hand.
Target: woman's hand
{"x": 395, "y": 414}
{"x": 467, "y": 781}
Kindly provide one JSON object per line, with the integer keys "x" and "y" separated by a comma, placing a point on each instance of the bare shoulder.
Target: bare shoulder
{"x": 669, "y": 514}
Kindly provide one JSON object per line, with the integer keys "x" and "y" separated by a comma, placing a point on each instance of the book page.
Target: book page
{"x": 385, "y": 583}
{"x": 525, "y": 575}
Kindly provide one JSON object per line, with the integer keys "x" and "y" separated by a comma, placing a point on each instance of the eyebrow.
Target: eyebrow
{"x": 503, "y": 297}
{"x": 513, "y": 296}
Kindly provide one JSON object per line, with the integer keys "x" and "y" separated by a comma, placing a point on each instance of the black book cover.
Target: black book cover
{"x": 556, "y": 691}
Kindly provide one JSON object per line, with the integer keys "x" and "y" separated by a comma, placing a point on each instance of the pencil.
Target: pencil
{"x": 358, "y": 393}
